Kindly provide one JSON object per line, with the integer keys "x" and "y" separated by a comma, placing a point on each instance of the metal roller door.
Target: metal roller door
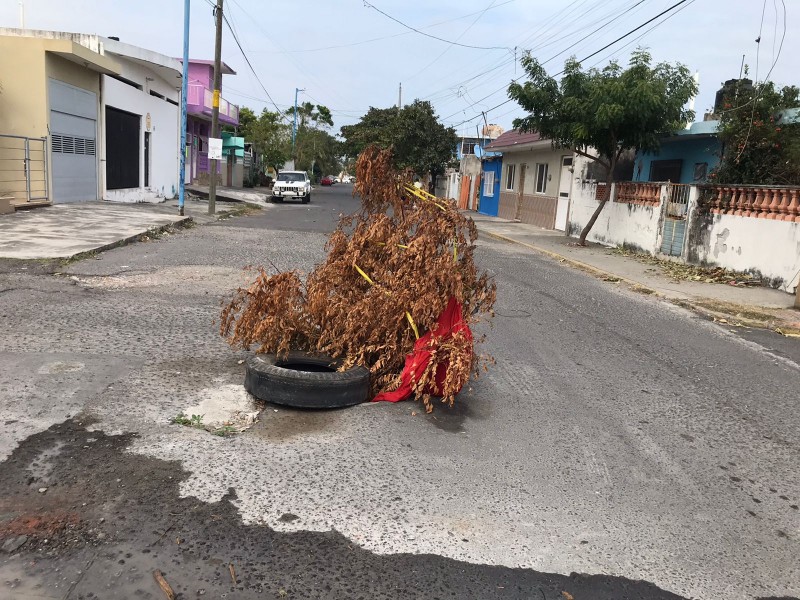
{"x": 73, "y": 139}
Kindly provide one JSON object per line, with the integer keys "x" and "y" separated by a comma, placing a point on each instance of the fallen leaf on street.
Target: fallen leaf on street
{"x": 162, "y": 583}
{"x": 567, "y": 596}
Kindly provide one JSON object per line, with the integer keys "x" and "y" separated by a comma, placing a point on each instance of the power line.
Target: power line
{"x": 611, "y": 16}
{"x": 385, "y": 37}
{"x": 250, "y": 65}
{"x": 637, "y": 38}
{"x": 632, "y": 31}
{"x": 369, "y": 5}
{"x": 463, "y": 33}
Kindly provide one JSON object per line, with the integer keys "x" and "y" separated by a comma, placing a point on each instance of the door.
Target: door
{"x": 146, "y": 159}
{"x": 522, "y": 172}
{"x": 122, "y": 149}
{"x": 490, "y": 195}
{"x": 73, "y": 141}
{"x": 564, "y": 187}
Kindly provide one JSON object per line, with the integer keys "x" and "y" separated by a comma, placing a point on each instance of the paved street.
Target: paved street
{"x": 620, "y": 448}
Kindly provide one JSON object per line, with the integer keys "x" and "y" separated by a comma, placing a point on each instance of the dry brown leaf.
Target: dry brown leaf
{"x": 162, "y": 583}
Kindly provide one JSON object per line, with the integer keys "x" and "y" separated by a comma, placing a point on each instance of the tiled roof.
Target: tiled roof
{"x": 514, "y": 138}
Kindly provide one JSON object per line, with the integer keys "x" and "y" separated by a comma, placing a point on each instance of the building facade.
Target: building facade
{"x": 199, "y": 105}
{"x": 99, "y": 118}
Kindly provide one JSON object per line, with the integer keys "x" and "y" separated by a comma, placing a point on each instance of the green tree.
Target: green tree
{"x": 608, "y": 112}
{"x": 269, "y": 134}
{"x": 760, "y": 137}
{"x": 419, "y": 140}
{"x": 316, "y": 116}
{"x": 316, "y": 150}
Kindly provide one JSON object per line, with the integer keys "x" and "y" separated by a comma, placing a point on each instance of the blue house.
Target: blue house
{"x": 491, "y": 169}
{"x": 687, "y": 156}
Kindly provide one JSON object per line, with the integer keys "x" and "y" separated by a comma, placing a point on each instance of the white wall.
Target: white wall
{"x": 164, "y": 138}
{"x": 619, "y": 224}
{"x": 769, "y": 248}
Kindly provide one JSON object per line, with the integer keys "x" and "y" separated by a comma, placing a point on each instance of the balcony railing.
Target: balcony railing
{"x": 200, "y": 95}
{"x": 647, "y": 194}
{"x": 761, "y": 202}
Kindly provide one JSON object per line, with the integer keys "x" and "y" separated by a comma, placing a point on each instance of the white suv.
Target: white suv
{"x": 292, "y": 184}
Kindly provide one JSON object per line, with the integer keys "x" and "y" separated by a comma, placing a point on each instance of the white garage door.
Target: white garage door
{"x": 73, "y": 138}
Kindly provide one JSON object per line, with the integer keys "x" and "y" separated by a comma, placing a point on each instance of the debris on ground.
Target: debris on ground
{"x": 391, "y": 271}
{"x": 678, "y": 271}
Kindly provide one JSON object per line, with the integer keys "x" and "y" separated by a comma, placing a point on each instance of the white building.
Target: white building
{"x": 108, "y": 111}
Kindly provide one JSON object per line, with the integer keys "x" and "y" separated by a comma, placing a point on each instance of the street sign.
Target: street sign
{"x": 214, "y": 148}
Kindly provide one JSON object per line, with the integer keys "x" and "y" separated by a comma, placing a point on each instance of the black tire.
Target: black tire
{"x": 306, "y": 198}
{"x": 267, "y": 380}
{"x": 277, "y": 200}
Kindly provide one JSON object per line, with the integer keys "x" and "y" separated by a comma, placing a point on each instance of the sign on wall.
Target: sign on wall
{"x": 148, "y": 123}
{"x": 214, "y": 148}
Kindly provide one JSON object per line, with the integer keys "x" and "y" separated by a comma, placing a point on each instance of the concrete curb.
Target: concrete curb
{"x": 125, "y": 241}
{"x": 571, "y": 261}
{"x": 687, "y": 304}
{"x": 227, "y": 198}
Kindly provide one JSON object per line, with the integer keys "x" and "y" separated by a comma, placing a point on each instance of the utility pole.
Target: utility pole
{"x": 294, "y": 127}
{"x": 184, "y": 90}
{"x": 400, "y": 96}
{"x": 212, "y": 186}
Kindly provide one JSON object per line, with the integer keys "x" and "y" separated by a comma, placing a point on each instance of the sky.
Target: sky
{"x": 353, "y": 54}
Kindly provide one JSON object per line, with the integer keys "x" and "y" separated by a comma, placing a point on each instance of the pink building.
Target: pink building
{"x": 199, "y": 98}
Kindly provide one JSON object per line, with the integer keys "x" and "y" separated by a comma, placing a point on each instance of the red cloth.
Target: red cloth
{"x": 449, "y": 322}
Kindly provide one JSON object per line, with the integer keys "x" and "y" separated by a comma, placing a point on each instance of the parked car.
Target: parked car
{"x": 326, "y": 181}
{"x": 292, "y": 184}
{"x": 337, "y": 180}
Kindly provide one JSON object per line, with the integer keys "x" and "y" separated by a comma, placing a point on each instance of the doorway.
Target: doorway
{"x": 146, "y": 159}
{"x": 564, "y": 188}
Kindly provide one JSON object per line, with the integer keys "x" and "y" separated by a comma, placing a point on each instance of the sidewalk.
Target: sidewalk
{"x": 750, "y": 305}
{"x": 258, "y": 196}
{"x": 66, "y": 230}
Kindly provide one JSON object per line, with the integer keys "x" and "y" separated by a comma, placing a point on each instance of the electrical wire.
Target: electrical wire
{"x": 370, "y": 5}
{"x": 584, "y": 59}
{"x": 463, "y": 33}
{"x": 247, "y": 60}
{"x": 386, "y": 37}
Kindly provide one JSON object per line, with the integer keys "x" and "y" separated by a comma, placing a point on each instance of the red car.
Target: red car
{"x": 326, "y": 181}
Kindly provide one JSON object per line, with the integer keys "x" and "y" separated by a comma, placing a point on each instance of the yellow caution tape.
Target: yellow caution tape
{"x": 408, "y": 314}
{"x": 413, "y": 325}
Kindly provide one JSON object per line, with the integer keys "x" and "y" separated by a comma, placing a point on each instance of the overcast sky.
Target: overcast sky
{"x": 349, "y": 56}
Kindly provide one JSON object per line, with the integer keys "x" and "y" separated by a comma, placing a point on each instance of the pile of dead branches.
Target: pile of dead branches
{"x": 390, "y": 271}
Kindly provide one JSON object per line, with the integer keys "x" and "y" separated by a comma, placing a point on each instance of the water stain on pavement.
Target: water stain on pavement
{"x": 280, "y": 424}
{"x": 123, "y": 518}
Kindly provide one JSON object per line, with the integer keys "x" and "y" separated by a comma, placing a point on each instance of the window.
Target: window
{"x": 700, "y": 171}
{"x": 468, "y": 148}
{"x": 488, "y": 183}
{"x": 666, "y": 170}
{"x": 541, "y": 178}
{"x": 510, "y": 174}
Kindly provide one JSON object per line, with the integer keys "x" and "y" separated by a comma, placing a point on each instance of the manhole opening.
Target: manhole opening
{"x": 308, "y": 367}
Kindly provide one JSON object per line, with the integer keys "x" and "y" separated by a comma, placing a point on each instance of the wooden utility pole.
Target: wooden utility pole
{"x": 212, "y": 185}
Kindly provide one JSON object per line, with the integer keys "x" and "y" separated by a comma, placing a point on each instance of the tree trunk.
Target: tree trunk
{"x": 590, "y": 224}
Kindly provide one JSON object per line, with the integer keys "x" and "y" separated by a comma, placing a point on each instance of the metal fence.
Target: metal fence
{"x": 24, "y": 168}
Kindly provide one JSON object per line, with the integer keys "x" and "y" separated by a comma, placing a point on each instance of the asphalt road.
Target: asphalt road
{"x": 620, "y": 447}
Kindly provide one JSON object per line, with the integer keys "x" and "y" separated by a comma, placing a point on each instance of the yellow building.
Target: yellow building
{"x": 84, "y": 117}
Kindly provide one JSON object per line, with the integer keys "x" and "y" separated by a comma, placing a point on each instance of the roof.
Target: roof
{"x": 700, "y": 128}
{"x": 226, "y": 70}
{"x": 513, "y": 138}
{"x": 167, "y": 67}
